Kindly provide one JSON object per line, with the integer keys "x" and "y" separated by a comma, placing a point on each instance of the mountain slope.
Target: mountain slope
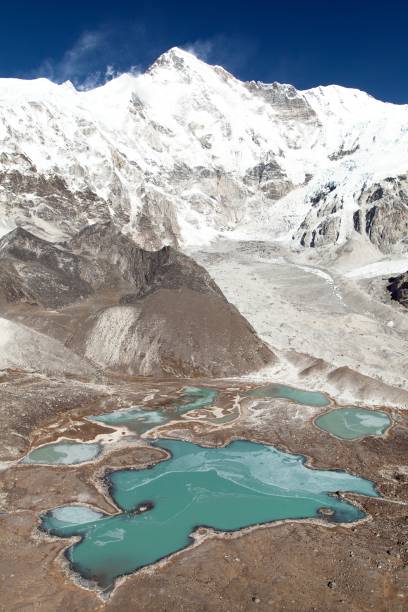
{"x": 174, "y": 332}
{"x": 312, "y": 167}
{"x": 22, "y": 348}
{"x": 100, "y": 299}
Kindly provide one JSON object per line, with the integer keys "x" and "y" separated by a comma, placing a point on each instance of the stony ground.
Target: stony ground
{"x": 292, "y": 566}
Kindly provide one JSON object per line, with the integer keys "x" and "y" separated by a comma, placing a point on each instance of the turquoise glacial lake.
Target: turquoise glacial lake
{"x": 227, "y": 489}
{"x": 139, "y": 420}
{"x": 65, "y": 452}
{"x": 352, "y": 423}
{"x": 299, "y": 396}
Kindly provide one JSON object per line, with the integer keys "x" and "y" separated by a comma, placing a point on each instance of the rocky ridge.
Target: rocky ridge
{"x": 101, "y": 303}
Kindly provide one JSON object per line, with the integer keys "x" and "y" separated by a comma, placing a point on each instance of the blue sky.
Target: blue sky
{"x": 357, "y": 44}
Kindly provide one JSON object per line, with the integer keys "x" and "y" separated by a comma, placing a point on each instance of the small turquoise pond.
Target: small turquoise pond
{"x": 139, "y": 420}
{"x": 226, "y": 489}
{"x": 352, "y": 423}
{"x": 70, "y": 452}
{"x": 195, "y": 398}
{"x": 309, "y": 398}
{"x": 66, "y": 452}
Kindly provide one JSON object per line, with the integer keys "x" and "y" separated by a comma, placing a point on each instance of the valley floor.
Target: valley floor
{"x": 331, "y": 331}
{"x": 293, "y": 565}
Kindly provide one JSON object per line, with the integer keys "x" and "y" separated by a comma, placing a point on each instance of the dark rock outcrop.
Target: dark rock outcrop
{"x": 145, "y": 271}
{"x": 384, "y": 213}
{"x": 33, "y": 270}
{"x": 99, "y": 258}
{"x": 381, "y": 215}
{"x": 398, "y": 287}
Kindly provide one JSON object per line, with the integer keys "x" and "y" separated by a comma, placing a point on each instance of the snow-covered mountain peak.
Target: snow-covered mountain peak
{"x": 186, "y": 150}
{"x": 182, "y": 60}
{"x": 178, "y": 65}
{"x": 175, "y": 56}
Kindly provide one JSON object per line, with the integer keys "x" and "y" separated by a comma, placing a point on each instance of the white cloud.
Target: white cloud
{"x": 202, "y": 49}
{"x": 233, "y": 53}
{"x": 95, "y": 58}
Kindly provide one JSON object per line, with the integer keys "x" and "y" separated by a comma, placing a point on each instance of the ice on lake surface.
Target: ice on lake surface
{"x": 352, "y": 423}
{"x": 66, "y": 452}
{"x": 76, "y": 515}
{"x": 227, "y": 489}
{"x": 299, "y": 396}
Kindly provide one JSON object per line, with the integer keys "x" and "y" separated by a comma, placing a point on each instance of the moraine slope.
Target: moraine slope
{"x": 99, "y": 303}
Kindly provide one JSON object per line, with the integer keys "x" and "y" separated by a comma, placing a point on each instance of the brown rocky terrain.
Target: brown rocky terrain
{"x": 175, "y": 332}
{"x": 293, "y": 565}
{"x": 119, "y": 307}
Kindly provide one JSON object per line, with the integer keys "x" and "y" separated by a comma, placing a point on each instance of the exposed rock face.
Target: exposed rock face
{"x": 36, "y": 271}
{"x": 398, "y": 287}
{"x": 324, "y": 217}
{"x": 326, "y": 232}
{"x": 145, "y": 271}
{"x": 289, "y": 103}
{"x": 120, "y": 308}
{"x": 270, "y": 179}
{"x": 51, "y": 275}
{"x": 45, "y": 201}
{"x": 383, "y": 214}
